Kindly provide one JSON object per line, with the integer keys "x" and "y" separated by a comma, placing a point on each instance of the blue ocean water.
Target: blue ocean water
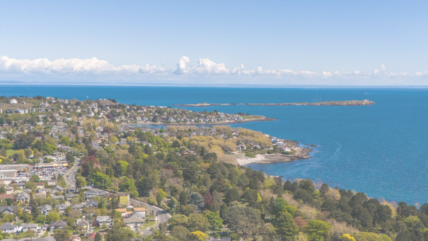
{"x": 380, "y": 149}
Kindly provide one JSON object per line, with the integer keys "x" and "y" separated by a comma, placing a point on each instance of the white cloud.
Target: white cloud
{"x": 204, "y": 67}
{"x": 72, "y": 66}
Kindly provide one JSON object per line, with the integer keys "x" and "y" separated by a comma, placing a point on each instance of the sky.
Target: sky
{"x": 281, "y": 43}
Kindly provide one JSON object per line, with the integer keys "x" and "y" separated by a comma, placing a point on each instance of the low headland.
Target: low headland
{"x": 323, "y": 103}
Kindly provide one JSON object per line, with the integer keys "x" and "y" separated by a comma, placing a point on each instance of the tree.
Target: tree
{"x": 197, "y": 236}
{"x": 196, "y": 200}
{"x": 98, "y": 237}
{"x": 285, "y": 226}
{"x": 178, "y": 220}
{"x": 80, "y": 181}
{"x": 224, "y": 210}
{"x": 347, "y": 237}
{"x": 61, "y": 181}
{"x": 198, "y": 222}
{"x": 69, "y": 157}
{"x": 366, "y": 236}
{"x": 183, "y": 198}
{"x": 52, "y": 216}
{"x": 318, "y": 230}
{"x": 180, "y": 232}
{"x": 34, "y": 178}
{"x": 61, "y": 235}
{"x": 231, "y": 195}
{"x": 243, "y": 219}
{"x": 118, "y": 234}
{"x": 214, "y": 220}
{"x": 101, "y": 180}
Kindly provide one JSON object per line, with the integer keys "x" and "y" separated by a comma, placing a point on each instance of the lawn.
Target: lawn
{"x": 11, "y": 152}
{"x": 149, "y": 223}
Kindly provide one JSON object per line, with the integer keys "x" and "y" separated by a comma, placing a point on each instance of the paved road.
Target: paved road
{"x": 70, "y": 178}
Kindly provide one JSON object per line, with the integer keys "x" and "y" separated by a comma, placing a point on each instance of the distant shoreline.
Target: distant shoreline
{"x": 323, "y": 103}
{"x": 198, "y": 124}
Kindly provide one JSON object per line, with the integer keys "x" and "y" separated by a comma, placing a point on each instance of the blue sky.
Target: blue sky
{"x": 215, "y": 42}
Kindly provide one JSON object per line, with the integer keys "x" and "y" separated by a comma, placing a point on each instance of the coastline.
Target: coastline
{"x": 301, "y": 153}
{"x": 323, "y": 103}
{"x": 197, "y": 124}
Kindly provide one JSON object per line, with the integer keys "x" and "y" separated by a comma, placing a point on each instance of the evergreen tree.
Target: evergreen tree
{"x": 285, "y": 226}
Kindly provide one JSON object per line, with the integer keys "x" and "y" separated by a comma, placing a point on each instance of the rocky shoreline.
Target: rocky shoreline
{"x": 323, "y": 103}
{"x": 301, "y": 153}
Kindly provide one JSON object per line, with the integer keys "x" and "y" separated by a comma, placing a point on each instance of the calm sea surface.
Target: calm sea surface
{"x": 381, "y": 150}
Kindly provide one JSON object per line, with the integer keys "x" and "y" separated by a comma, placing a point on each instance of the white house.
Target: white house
{"x": 13, "y": 101}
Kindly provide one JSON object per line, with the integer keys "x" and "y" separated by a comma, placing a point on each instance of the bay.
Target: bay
{"x": 380, "y": 149}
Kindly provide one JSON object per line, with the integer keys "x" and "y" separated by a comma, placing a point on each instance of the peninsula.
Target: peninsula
{"x": 323, "y": 103}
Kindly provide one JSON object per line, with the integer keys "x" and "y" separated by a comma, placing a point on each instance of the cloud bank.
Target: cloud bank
{"x": 203, "y": 68}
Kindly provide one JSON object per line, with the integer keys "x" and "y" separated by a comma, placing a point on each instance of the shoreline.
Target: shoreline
{"x": 323, "y": 103}
{"x": 301, "y": 154}
{"x": 197, "y": 124}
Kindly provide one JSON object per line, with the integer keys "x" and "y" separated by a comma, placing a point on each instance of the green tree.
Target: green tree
{"x": 198, "y": 222}
{"x": 98, "y": 237}
{"x": 101, "y": 180}
{"x": 318, "y": 230}
{"x": 242, "y": 219}
{"x": 34, "y": 178}
{"x": 178, "y": 220}
{"x": 180, "y": 232}
{"x": 80, "y": 181}
{"x": 214, "y": 220}
{"x": 61, "y": 181}
{"x": 52, "y": 216}
{"x": 61, "y": 235}
{"x": 285, "y": 226}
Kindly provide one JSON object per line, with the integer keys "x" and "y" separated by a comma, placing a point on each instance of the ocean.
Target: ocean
{"x": 380, "y": 150}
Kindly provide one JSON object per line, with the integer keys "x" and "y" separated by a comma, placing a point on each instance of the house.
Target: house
{"x": 69, "y": 197}
{"x": 9, "y": 190}
{"x": 23, "y": 197}
{"x": 9, "y": 228}
{"x": 82, "y": 225}
{"x": 104, "y": 220}
{"x": 13, "y": 101}
{"x": 61, "y": 207}
{"x": 91, "y": 203}
{"x": 45, "y": 209}
{"x": 57, "y": 188}
{"x": 30, "y": 226}
{"x": 133, "y": 222}
{"x": 7, "y": 209}
{"x": 40, "y": 185}
{"x": 140, "y": 212}
{"x": 6, "y": 196}
{"x": 57, "y": 225}
{"x": 121, "y": 211}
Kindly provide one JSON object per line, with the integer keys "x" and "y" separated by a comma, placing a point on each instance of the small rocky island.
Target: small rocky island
{"x": 323, "y": 103}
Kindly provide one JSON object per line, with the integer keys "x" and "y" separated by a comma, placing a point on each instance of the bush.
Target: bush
{"x": 250, "y": 154}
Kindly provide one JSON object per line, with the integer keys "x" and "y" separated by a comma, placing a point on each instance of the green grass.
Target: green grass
{"x": 11, "y": 152}
{"x": 149, "y": 223}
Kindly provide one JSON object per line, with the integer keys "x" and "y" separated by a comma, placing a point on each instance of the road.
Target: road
{"x": 70, "y": 177}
